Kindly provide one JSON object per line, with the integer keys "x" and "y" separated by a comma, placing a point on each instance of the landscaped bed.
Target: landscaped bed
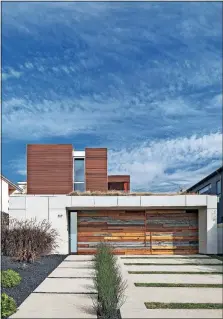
{"x": 32, "y": 274}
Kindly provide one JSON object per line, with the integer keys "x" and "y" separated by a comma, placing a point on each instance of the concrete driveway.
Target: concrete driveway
{"x": 68, "y": 291}
{"x": 202, "y": 270}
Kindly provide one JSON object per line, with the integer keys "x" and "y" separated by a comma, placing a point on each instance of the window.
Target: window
{"x": 79, "y": 175}
{"x": 204, "y": 189}
{"x": 218, "y": 187}
{"x": 79, "y": 187}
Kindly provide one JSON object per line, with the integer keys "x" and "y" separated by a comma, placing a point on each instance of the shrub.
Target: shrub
{"x": 8, "y": 306}
{"x": 26, "y": 240}
{"x": 4, "y": 219}
{"x": 10, "y": 278}
{"x": 108, "y": 283}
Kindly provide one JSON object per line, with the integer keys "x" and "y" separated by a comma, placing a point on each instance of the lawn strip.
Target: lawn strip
{"x": 162, "y": 257}
{"x": 157, "y": 264}
{"x": 156, "y": 284}
{"x": 176, "y": 272}
{"x": 163, "y": 305}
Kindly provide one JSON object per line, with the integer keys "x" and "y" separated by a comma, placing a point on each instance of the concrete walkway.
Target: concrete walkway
{"x": 136, "y": 297}
{"x": 67, "y": 292}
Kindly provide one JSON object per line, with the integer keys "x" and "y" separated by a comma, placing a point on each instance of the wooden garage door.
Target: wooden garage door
{"x": 139, "y": 232}
{"x": 172, "y": 232}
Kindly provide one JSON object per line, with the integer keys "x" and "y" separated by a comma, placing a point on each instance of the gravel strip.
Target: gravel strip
{"x": 32, "y": 274}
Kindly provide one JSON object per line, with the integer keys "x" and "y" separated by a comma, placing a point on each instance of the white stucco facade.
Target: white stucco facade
{"x": 4, "y": 193}
{"x": 54, "y": 209}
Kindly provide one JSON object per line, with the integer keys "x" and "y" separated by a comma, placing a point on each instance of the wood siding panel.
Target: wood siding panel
{"x": 124, "y": 230}
{"x": 139, "y": 232}
{"x": 172, "y": 232}
{"x": 49, "y": 169}
{"x": 119, "y": 178}
{"x": 96, "y": 176}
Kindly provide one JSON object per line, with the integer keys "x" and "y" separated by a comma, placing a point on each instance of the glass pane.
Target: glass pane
{"x": 218, "y": 187}
{"x": 205, "y": 189}
{"x": 80, "y": 187}
{"x": 79, "y": 170}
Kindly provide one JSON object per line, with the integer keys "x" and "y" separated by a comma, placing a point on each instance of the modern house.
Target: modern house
{"x": 134, "y": 223}
{"x": 212, "y": 185}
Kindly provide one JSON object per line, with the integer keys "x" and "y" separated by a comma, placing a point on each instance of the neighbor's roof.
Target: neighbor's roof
{"x": 11, "y": 183}
{"x": 217, "y": 171}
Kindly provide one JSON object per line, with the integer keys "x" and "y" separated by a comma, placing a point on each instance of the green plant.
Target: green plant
{"x": 108, "y": 283}
{"x": 156, "y": 284}
{"x": 176, "y": 272}
{"x": 10, "y": 278}
{"x": 8, "y": 306}
{"x": 186, "y": 305}
{"x": 172, "y": 264}
{"x": 26, "y": 240}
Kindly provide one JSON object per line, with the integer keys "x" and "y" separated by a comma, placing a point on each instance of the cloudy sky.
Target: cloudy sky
{"x": 143, "y": 79}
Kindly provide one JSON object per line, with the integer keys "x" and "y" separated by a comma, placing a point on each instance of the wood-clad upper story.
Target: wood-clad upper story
{"x": 56, "y": 169}
{"x": 49, "y": 168}
{"x": 96, "y": 169}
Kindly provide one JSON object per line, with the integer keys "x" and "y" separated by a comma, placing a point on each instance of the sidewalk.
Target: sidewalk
{"x": 66, "y": 293}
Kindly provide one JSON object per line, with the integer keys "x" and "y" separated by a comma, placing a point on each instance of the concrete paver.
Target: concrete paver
{"x": 56, "y": 306}
{"x": 176, "y": 278}
{"x": 72, "y": 272}
{"x": 125, "y": 257}
{"x": 179, "y": 295}
{"x": 76, "y": 264}
{"x": 78, "y": 257}
{"x": 74, "y": 285}
{"x": 144, "y": 313}
{"x": 174, "y": 261}
{"x": 178, "y": 268}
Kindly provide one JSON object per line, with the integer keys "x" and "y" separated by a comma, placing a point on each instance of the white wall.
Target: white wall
{"x": 53, "y": 208}
{"x": 4, "y": 196}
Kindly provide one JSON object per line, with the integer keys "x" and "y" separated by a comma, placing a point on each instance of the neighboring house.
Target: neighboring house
{"x": 7, "y": 188}
{"x": 59, "y": 169}
{"x": 212, "y": 184}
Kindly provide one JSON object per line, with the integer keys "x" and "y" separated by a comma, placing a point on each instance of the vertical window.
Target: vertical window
{"x": 218, "y": 187}
{"x": 79, "y": 175}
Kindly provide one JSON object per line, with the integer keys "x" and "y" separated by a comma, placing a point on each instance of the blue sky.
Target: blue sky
{"x": 143, "y": 79}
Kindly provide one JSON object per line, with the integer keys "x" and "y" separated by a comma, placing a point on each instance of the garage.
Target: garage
{"x": 141, "y": 232}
